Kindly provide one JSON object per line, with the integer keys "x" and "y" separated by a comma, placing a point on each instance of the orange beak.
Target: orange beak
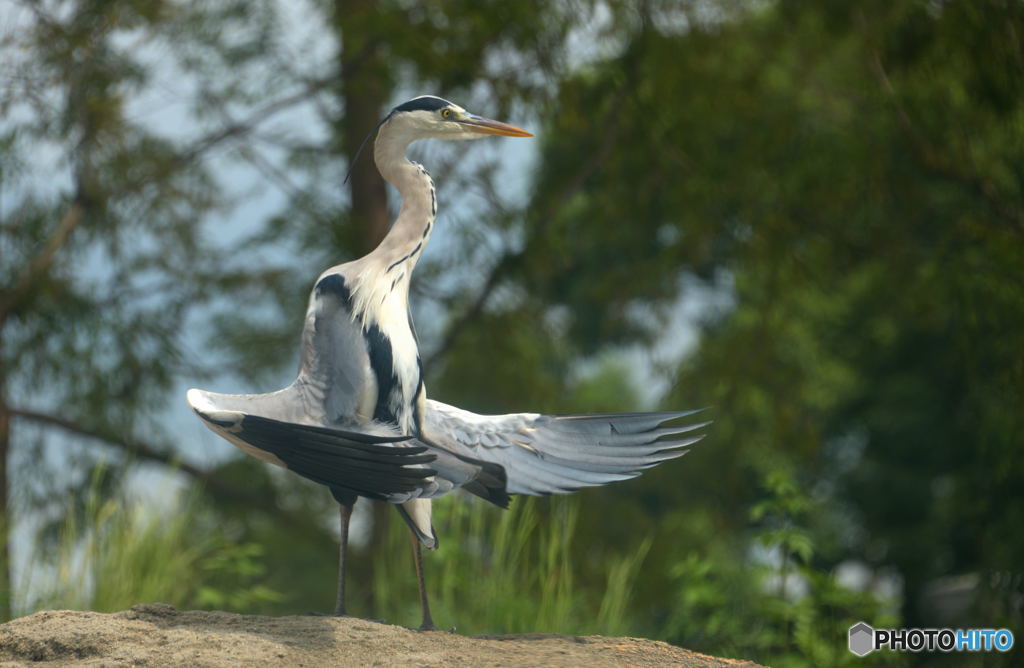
{"x": 488, "y": 127}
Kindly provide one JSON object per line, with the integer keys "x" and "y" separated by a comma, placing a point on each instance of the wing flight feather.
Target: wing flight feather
{"x": 549, "y": 454}
{"x": 377, "y": 467}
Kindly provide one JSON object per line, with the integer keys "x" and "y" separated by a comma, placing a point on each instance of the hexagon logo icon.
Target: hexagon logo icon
{"x": 862, "y": 639}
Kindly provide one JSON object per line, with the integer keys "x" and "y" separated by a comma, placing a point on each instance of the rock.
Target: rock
{"x": 158, "y": 634}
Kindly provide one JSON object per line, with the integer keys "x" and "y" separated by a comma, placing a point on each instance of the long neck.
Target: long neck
{"x": 408, "y": 236}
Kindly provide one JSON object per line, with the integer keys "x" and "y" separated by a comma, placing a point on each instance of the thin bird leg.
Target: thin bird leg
{"x": 346, "y": 515}
{"x": 417, "y": 557}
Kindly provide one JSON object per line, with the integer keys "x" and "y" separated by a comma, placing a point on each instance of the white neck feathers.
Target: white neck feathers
{"x": 387, "y": 269}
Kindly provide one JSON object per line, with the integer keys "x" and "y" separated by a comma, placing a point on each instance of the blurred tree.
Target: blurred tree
{"x": 854, "y": 173}
{"x": 104, "y": 256}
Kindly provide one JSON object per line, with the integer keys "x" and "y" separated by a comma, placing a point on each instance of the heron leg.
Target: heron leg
{"x": 417, "y": 557}
{"x": 346, "y": 515}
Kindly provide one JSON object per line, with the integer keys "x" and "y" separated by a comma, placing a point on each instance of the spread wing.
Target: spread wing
{"x": 335, "y": 365}
{"x": 549, "y": 454}
{"x": 371, "y": 465}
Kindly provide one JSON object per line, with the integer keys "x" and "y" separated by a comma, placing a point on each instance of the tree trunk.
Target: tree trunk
{"x": 364, "y": 89}
{"x": 365, "y": 86}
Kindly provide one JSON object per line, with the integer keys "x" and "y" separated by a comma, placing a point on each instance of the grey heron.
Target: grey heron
{"x": 357, "y": 419}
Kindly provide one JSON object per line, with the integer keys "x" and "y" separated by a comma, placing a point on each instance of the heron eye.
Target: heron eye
{"x": 445, "y": 113}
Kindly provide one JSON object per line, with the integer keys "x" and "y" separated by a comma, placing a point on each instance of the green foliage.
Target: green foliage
{"x": 849, "y": 175}
{"x": 113, "y": 552}
{"x": 232, "y": 574}
{"x": 776, "y": 606}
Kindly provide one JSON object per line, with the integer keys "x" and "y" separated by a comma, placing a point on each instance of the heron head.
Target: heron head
{"x": 430, "y": 117}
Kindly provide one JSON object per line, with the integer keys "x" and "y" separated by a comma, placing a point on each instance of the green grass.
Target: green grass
{"x": 514, "y": 571}
{"x": 113, "y": 552}
{"x": 506, "y": 572}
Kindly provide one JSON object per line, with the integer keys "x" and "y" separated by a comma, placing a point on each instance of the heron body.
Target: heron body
{"x": 357, "y": 418}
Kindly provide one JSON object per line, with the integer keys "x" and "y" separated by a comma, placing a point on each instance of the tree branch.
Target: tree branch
{"x": 41, "y": 263}
{"x": 931, "y": 157}
{"x": 247, "y": 125}
{"x": 135, "y": 448}
{"x": 470, "y": 314}
{"x": 149, "y": 453}
{"x": 511, "y": 259}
